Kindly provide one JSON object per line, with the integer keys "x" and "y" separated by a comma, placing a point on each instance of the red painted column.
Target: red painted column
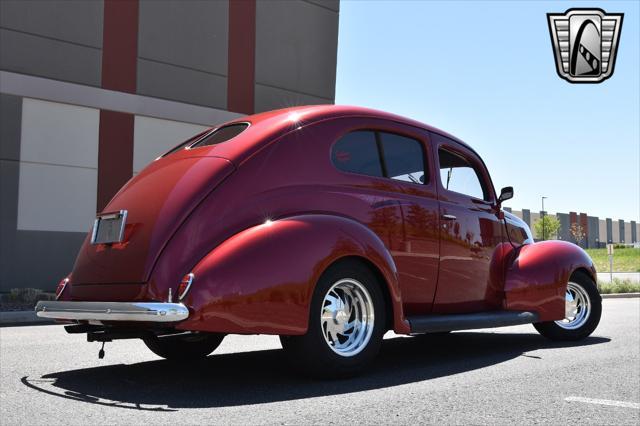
{"x": 241, "y": 56}
{"x": 119, "y": 65}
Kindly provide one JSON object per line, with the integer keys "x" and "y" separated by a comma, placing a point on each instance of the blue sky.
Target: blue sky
{"x": 485, "y": 72}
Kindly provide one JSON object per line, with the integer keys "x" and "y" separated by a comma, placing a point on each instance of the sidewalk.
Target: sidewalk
{"x": 605, "y": 277}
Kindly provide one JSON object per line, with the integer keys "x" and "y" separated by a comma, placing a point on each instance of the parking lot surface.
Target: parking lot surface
{"x": 501, "y": 376}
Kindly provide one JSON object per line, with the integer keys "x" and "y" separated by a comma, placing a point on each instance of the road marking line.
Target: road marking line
{"x": 604, "y": 402}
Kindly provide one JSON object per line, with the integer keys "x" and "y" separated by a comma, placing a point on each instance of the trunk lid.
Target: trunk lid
{"x": 157, "y": 201}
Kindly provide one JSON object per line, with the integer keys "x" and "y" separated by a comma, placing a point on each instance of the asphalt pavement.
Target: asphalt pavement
{"x": 501, "y": 376}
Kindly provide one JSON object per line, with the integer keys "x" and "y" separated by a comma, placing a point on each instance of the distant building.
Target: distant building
{"x": 597, "y": 232}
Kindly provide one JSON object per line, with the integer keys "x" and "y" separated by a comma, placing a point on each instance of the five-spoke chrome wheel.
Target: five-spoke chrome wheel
{"x": 347, "y": 317}
{"x": 577, "y": 307}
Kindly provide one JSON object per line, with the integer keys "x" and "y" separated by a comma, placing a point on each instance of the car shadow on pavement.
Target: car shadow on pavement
{"x": 265, "y": 376}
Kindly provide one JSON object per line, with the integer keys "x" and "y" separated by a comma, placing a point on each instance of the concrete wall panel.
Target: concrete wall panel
{"x": 56, "y": 198}
{"x": 10, "y": 119}
{"x": 76, "y": 21}
{"x": 153, "y": 137}
{"x": 296, "y": 48}
{"x": 181, "y": 84}
{"x": 47, "y": 256}
{"x": 34, "y": 55}
{"x": 329, "y": 4}
{"x": 191, "y": 34}
{"x": 593, "y": 235}
{"x": 54, "y": 133}
{"x": 268, "y": 98}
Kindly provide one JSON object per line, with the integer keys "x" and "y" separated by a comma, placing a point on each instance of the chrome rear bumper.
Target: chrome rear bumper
{"x": 113, "y": 311}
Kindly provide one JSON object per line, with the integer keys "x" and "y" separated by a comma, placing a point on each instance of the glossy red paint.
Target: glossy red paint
{"x": 259, "y": 218}
{"x": 537, "y": 276}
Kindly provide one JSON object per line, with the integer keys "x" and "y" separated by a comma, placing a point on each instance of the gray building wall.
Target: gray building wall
{"x": 634, "y": 234}
{"x": 51, "y": 61}
{"x": 565, "y": 226}
{"x": 593, "y": 232}
{"x": 621, "y": 231}
{"x": 609, "y": 230}
{"x": 55, "y": 39}
{"x": 526, "y": 217}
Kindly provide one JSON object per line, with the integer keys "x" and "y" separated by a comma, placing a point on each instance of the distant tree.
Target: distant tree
{"x": 577, "y": 232}
{"x": 550, "y": 225}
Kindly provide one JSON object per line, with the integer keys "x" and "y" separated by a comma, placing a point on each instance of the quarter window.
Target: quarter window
{"x": 357, "y": 152}
{"x": 458, "y": 174}
{"x": 380, "y": 154}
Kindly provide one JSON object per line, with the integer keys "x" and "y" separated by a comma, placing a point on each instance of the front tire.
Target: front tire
{"x": 583, "y": 308}
{"x": 184, "y": 347}
{"x": 346, "y": 324}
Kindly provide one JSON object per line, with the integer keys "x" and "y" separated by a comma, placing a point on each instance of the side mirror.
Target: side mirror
{"x": 506, "y": 194}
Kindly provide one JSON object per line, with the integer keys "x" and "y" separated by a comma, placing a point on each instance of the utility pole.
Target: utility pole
{"x": 544, "y": 228}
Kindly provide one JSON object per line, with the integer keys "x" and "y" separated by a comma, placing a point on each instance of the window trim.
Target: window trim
{"x": 191, "y": 146}
{"x": 486, "y": 193}
{"x": 380, "y": 149}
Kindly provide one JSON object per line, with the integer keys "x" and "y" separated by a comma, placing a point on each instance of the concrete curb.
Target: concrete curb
{"x": 12, "y": 318}
{"x": 620, "y": 295}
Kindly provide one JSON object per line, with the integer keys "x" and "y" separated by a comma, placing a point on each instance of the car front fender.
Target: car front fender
{"x": 262, "y": 279}
{"x": 537, "y": 276}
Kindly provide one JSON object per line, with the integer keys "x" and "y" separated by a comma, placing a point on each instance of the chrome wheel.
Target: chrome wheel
{"x": 347, "y": 317}
{"x": 577, "y": 307}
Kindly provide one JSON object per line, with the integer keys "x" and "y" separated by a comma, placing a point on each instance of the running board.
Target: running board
{"x": 435, "y": 323}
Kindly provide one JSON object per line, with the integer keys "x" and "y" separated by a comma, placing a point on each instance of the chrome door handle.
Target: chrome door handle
{"x": 448, "y": 217}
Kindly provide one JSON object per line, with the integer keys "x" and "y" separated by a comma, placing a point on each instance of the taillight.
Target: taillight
{"x": 185, "y": 285}
{"x": 61, "y": 286}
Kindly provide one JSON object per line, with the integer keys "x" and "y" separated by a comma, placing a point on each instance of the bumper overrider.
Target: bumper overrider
{"x": 113, "y": 311}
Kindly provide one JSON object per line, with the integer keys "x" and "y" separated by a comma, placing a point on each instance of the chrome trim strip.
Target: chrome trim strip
{"x": 112, "y": 311}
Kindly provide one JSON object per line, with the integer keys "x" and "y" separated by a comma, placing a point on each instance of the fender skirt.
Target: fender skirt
{"x": 536, "y": 279}
{"x": 262, "y": 279}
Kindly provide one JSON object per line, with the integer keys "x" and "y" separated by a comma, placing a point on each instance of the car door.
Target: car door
{"x": 471, "y": 231}
{"x": 408, "y": 161}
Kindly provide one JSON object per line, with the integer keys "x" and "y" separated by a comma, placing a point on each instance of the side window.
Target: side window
{"x": 458, "y": 174}
{"x": 403, "y": 158}
{"x": 380, "y": 154}
{"x": 357, "y": 152}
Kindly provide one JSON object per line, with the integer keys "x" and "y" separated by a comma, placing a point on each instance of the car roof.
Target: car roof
{"x": 312, "y": 113}
{"x": 270, "y": 125}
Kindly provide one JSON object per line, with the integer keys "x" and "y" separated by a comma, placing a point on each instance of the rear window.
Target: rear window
{"x": 222, "y": 134}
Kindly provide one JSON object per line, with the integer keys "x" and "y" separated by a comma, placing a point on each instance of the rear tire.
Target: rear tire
{"x": 184, "y": 347}
{"x": 582, "y": 312}
{"x": 346, "y": 324}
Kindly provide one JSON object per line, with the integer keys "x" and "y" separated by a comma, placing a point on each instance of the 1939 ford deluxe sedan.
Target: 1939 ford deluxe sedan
{"x": 327, "y": 226}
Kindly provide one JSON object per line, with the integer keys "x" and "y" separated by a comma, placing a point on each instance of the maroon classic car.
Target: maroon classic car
{"x": 327, "y": 226}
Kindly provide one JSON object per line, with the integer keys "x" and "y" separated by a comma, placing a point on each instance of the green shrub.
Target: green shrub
{"x": 619, "y": 286}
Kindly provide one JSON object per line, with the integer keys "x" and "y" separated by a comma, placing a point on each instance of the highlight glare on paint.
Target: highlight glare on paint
{"x": 268, "y": 222}
{"x": 294, "y": 117}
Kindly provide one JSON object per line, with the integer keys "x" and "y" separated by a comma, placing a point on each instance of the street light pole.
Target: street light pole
{"x": 544, "y": 236}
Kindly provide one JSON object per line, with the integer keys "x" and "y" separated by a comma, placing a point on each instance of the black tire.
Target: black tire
{"x": 552, "y": 330}
{"x": 312, "y": 353}
{"x": 184, "y": 347}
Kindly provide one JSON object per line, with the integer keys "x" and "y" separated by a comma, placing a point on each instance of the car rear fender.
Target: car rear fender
{"x": 537, "y": 276}
{"x": 262, "y": 279}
